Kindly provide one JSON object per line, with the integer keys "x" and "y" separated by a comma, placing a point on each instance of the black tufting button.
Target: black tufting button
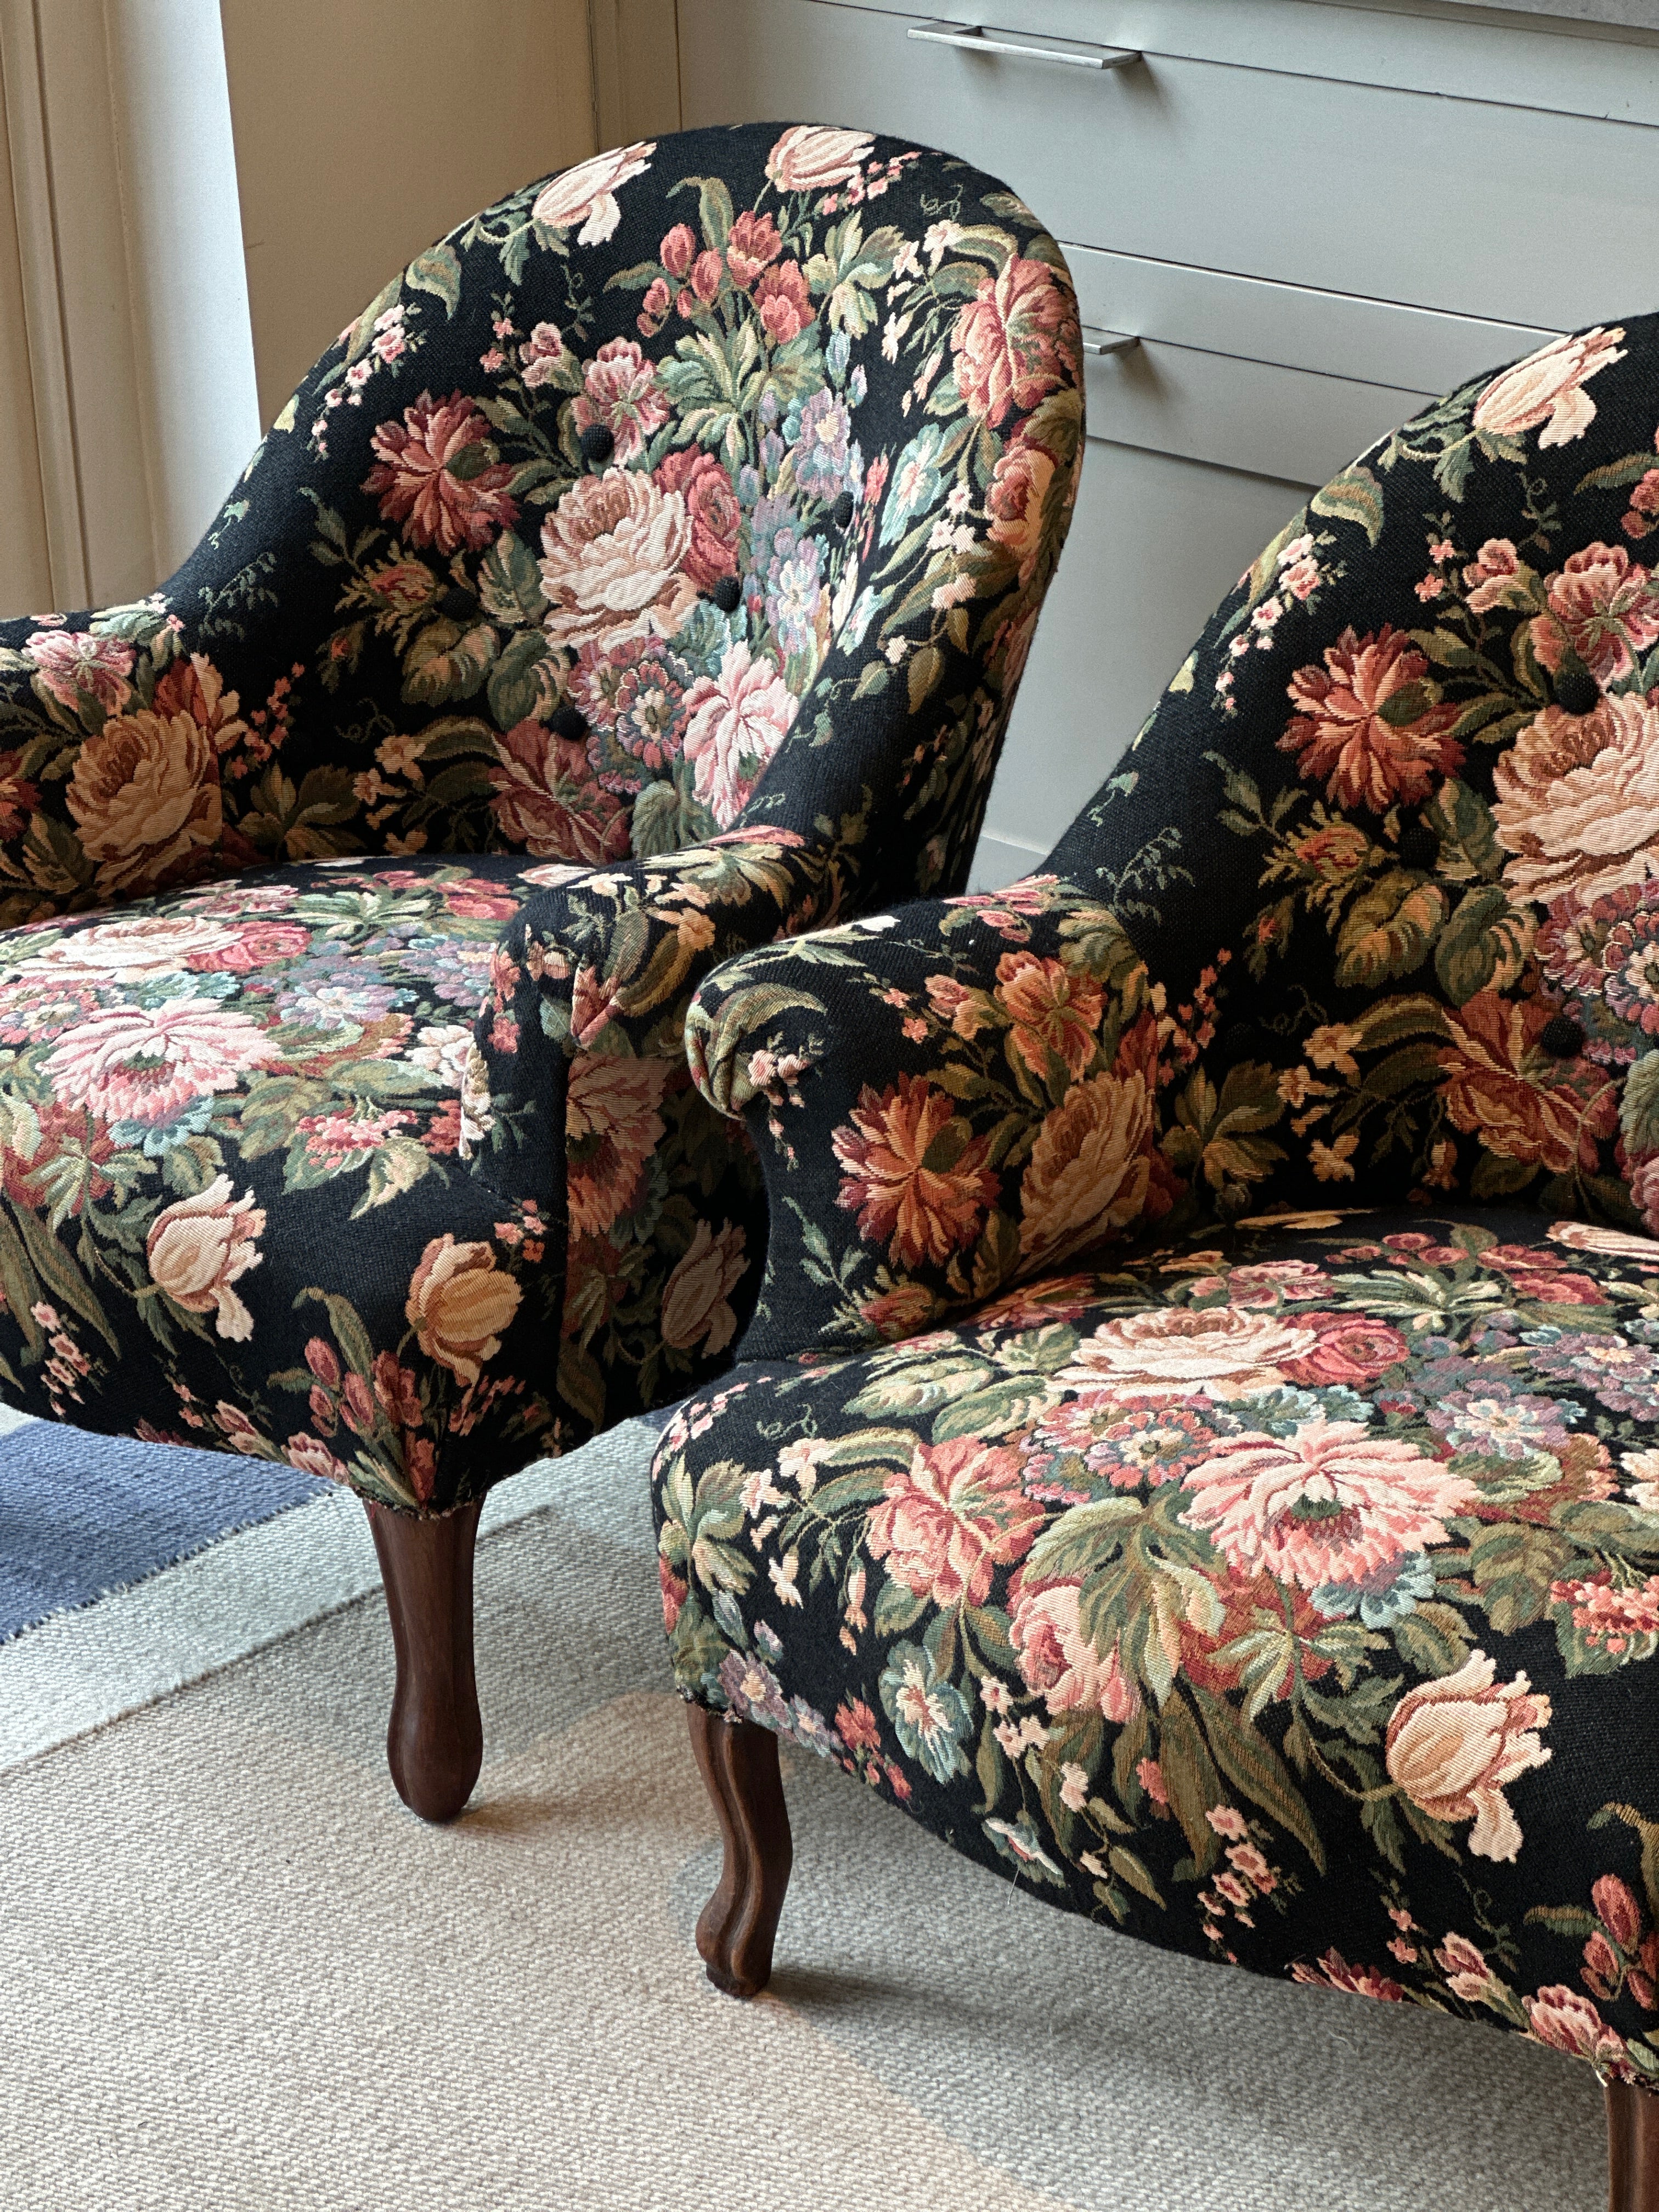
{"x": 458, "y": 605}
{"x": 727, "y": 595}
{"x": 597, "y": 445}
{"x": 842, "y": 510}
{"x": 1419, "y": 848}
{"x": 1577, "y": 692}
{"x": 569, "y": 722}
{"x": 1562, "y": 1037}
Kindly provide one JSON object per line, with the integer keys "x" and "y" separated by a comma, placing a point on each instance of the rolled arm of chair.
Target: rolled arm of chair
{"x": 601, "y": 964}
{"x": 946, "y": 1100}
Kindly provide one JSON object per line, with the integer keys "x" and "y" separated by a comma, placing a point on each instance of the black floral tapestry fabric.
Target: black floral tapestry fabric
{"x": 648, "y": 571}
{"x": 1196, "y": 1445}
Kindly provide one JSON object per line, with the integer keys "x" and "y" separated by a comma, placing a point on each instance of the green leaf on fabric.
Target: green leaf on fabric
{"x": 1484, "y": 944}
{"x": 896, "y": 1608}
{"x": 438, "y": 271}
{"x": 1255, "y": 1769}
{"x": 446, "y": 661}
{"x": 1354, "y": 496}
{"x": 515, "y": 687}
{"x": 1387, "y": 930}
{"x": 1084, "y": 1537}
{"x": 509, "y": 581}
{"x": 1191, "y": 1780}
{"x": 1638, "y": 1113}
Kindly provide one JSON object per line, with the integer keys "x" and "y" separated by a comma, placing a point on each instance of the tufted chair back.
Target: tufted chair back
{"x": 587, "y": 533}
{"x": 1389, "y": 843}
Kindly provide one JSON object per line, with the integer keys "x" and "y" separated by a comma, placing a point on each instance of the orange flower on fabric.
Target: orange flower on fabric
{"x": 1369, "y": 726}
{"x": 1053, "y": 1011}
{"x": 460, "y": 1305}
{"x": 912, "y": 1174}
{"x": 1521, "y": 1102}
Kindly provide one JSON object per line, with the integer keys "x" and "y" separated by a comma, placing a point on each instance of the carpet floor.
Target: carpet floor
{"x": 239, "y": 1974}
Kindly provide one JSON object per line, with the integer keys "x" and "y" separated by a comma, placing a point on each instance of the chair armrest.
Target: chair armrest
{"x": 603, "y": 961}
{"x": 946, "y": 1099}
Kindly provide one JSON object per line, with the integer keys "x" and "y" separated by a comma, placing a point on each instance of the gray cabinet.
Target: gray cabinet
{"x": 1312, "y": 216}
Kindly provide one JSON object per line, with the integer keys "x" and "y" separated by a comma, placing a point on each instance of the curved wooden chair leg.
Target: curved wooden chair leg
{"x": 434, "y": 1741}
{"x": 1632, "y": 2148}
{"x": 739, "y": 1764}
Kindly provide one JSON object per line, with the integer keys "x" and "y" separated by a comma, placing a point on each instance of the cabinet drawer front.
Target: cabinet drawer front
{"x": 1368, "y": 341}
{"x": 1459, "y": 205}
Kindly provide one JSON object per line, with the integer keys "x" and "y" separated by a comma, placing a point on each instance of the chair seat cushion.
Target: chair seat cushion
{"x": 235, "y": 1213}
{"x": 1291, "y": 1601}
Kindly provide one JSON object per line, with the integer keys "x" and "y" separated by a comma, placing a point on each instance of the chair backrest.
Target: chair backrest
{"x": 717, "y": 480}
{"x": 1390, "y": 841}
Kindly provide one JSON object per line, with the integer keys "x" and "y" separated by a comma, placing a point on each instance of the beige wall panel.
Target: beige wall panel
{"x": 365, "y": 129}
{"x": 25, "y": 569}
{"x": 636, "y": 69}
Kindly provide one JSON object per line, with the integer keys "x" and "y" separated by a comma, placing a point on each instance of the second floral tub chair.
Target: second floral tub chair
{"x": 646, "y": 572}
{"x": 1198, "y": 1446}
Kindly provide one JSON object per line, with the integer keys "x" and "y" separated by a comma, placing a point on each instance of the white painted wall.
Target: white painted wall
{"x": 365, "y": 129}
{"x": 127, "y": 291}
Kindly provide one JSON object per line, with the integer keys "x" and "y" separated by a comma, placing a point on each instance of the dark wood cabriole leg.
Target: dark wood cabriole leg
{"x": 739, "y": 1764}
{"x": 435, "y": 1742}
{"x": 1632, "y": 2148}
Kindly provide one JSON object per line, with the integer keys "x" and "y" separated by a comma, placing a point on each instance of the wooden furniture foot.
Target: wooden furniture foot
{"x": 1632, "y": 2148}
{"x": 739, "y": 1764}
{"x": 435, "y": 1742}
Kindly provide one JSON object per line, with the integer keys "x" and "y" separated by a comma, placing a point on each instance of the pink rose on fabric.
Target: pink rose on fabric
{"x": 1355, "y": 729}
{"x": 1488, "y": 578}
{"x": 146, "y": 1065}
{"x": 1576, "y": 802}
{"x": 1060, "y": 1664}
{"x": 737, "y": 721}
{"x": 716, "y": 518}
{"x": 312, "y": 1456}
{"x": 621, "y": 393}
{"x": 1219, "y": 1352}
{"x": 72, "y": 665}
{"x": 784, "y": 304}
{"x": 1352, "y": 1349}
{"x": 1014, "y": 341}
{"x": 1604, "y": 607}
{"x": 1566, "y": 2021}
{"x": 951, "y": 1518}
{"x": 541, "y": 353}
{"x": 1332, "y": 1502}
{"x": 425, "y": 475}
{"x": 587, "y": 193}
{"x": 809, "y": 158}
{"x": 133, "y": 949}
{"x": 678, "y": 249}
{"x": 752, "y": 244}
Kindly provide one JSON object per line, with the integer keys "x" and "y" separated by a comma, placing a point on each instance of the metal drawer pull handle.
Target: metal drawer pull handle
{"x": 1105, "y": 342}
{"x": 978, "y": 40}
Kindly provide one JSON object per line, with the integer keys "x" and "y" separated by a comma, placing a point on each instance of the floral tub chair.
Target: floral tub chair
{"x": 1197, "y": 1444}
{"x": 647, "y": 572}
